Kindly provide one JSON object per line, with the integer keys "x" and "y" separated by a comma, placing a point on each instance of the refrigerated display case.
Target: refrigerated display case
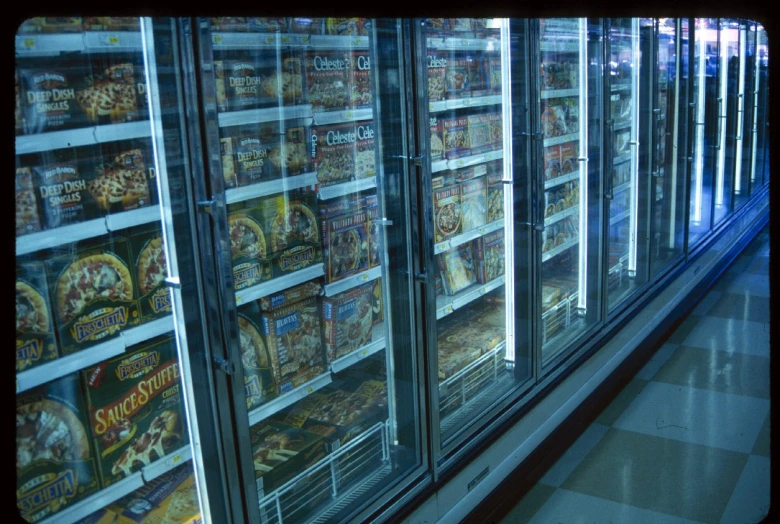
{"x": 306, "y": 119}
{"x": 104, "y": 400}
{"x": 760, "y": 169}
{"x": 744, "y": 124}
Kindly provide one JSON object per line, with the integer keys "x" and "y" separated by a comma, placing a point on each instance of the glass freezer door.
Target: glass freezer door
{"x": 745, "y": 99}
{"x": 309, "y": 193}
{"x": 467, "y": 183}
{"x": 106, "y": 418}
{"x": 728, "y": 59}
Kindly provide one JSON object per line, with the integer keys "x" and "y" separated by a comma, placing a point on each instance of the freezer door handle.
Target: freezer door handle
{"x": 421, "y": 277}
{"x": 538, "y": 227}
{"x": 225, "y": 365}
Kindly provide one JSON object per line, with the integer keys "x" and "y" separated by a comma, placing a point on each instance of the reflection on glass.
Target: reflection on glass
{"x": 727, "y": 116}
{"x": 467, "y": 69}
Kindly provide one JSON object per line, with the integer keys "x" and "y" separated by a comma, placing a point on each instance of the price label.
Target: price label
{"x": 175, "y": 459}
{"x": 364, "y": 276}
{"x": 304, "y": 39}
{"x": 113, "y": 40}
{"x": 29, "y": 43}
{"x": 357, "y": 41}
{"x": 269, "y": 39}
{"x": 217, "y": 39}
{"x": 364, "y": 352}
{"x": 285, "y": 39}
{"x": 310, "y": 390}
{"x": 465, "y": 42}
{"x": 430, "y": 107}
{"x": 239, "y": 299}
{"x": 348, "y": 115}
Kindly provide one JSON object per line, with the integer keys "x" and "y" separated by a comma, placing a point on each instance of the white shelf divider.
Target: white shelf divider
{"x": 48, "y": 45}
{"x": 112, "y": 41}
{"x": 346, "y": 188}
{"x": 554, "y": 252}
{"x": 269, "y": 114}
{"x": 239, "y": 194}
{"x": 339, "y": 42}
{"x": 557, "y": 217}
{"x": 83, "y": 136}
{"x": 439, "y": 165}
{"x": 466, "y": 161}
{"x": 340, "y": 286}
{"x": 477, "y": 101}
{"x": 620, "y": 216}
{"x": 97, "y": 501}
{"x": 557, "y": 181}
{"x": 457, "y": 240}
{"x": 448, "y": 304}
{"x": 263, "y": 289}
{"x": 167, "y": 463}
{"x": 620, "y": 188}
{"x": 134, "y": 217}
{"x": 437, "y": 107}
{"x": 347, "y": 115}
{"x": 378, "y": 344}
{"x": 92, "y": 355}
{"x": 554, "y": 141}
{"x": 287, "y": 399}
{"x": 559, "y": 93}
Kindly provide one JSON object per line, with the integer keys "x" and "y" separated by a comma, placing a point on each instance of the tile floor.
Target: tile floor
{"x": 687, "y": 440}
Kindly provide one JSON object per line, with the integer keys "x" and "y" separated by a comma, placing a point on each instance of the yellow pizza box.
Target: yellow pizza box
{"x": 171, "y": 498}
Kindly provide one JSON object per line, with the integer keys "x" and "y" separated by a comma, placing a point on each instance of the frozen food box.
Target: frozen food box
{"x": 489, "y": 253}
{"x": 360, "y": 80}
{"x": 442, "y": 179}
{"x": 294, "y": 235}
{"x": 28, "y": 218}
{"x": 170, "y": 498}
{"x": 249, "y": 247}
{"x": 495, "y": 192}
{"x": 253, "y": 155}
{"x": 346, "y": 245}
{"x": 62, "y": 184}
{"x": 55, "y": 463}
{"x": 327, "y": 80}
{"x": 334, "y": 153}
{"x": 292, "y": 335}
{"x": 496, "y": 123}
{"x": 446, "y": 212}
{"x": 437, "y": 68}
{"x": 93, "y": 291}
{"x": 48, "y": 24}
{"x": 310, "y": 26}
{"x": 377, "y": 302}
{"x": 347, "y": 319}
{"x": 136, "y": 408}
{"x": 347, "y": 26}
{"x": 266, "y": 25}
{"x": 312, "y": 288}
{"x": 456, "y": 350}
{"x": 457, "y": 269}
{"x": 258, "y": 80}
{"x": 48, "y": 96}
{"x": 468, "y": 173}
{"x": 228, "y": 24}
{"x": 455, "y": 133}
{"x": 18, "y": 119}
{"x": 552, "y": 162}
{"x": 479, "y": 82}
{"x": 473, "y": 203}
{"x": 436, "y": 140}
{"x": 112, "y": 23}
{"x": 150, "y": 268}
{"x": 479, "y": 133}
{"x": 461, "y": 27}
{"x": 374, "y": 232}
{"x": 281, "y": 452}
{"x": 493, "y": 73}
{"x": 457, "y": 81}
{"x": 124, "y": 176}
{"x": 569, "y": 155}
{"x": 36, "y": 340}
{"x": 259, "y": 383}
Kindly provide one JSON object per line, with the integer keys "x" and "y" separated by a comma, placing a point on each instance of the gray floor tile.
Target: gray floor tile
{"x": 574, "y": 455}
{"x": 761, "y": 447}
{"x": 615, "y": 408}
{"x": 657, "y": 361}
{"x": 684, "y": 329}
{"x": 750, "y": 501}
{"x": 576, "y": 508}
{"x": 698, "y": 416}
{"x": 760, "y": 265}
{"x": 741, "y": 307}
{"x": 728, "y": 334}
{"x": 749, "y": 284}
{"x": 658, "y": 474}
{"x": 529, "y": 505}
{"x": 707, "y": 302}
{"x": 734, "y": 373}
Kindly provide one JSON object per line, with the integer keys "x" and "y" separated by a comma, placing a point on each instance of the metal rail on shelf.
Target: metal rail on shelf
{"x": 334, "y": 481}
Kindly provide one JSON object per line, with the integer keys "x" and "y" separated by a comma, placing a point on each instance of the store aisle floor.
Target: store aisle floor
{"x": 687, "y": 440}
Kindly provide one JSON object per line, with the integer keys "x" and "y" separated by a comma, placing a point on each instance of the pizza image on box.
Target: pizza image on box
{"x": 327, "y": 80}
{"x": 28, "y": 219}
{"x": 246, "y": 236}
{"x": 150, "y": 270}
{"x": 294, "y": 223}
{"x": 55, "y": 464}
{"x": 447, "y": 212}
{"x": 35, "y": 337}
{"x": 259, "y": 385}
{"x": 457, "y": 269}
{"x": 346, "y": 245}
{"x": 114, "y": 185}
{"x": 347, "y": 319}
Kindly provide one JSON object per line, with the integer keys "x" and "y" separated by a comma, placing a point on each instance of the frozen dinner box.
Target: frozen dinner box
{"x": 36, "y": 340}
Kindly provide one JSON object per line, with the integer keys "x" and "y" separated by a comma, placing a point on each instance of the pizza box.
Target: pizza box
{"x": 457, "y": 268}
{"x": 496, "y": 124}
{"x": 327, "y": 80}
{"x": 266, "y": 24}
{"x": 129, "y": 165}
{"x": 311, "y": 26}
{"x": 347, "y": 26}
{"x": 437, "y": 67}
{"x": 312, "y": 288}
{"x": 347, "y": 319}
{"x": 342, "y": 205}
{"x": 258, "y": 80}
{"x": 294, "y": 237}
{"x": 136, "y": 409}
{"x": 48, "y": 96}
{"x": 36, "y": 340}
{"x": 228, "y": 24}
{"x": 489, "y": 255}
{"x": 112, "y": 23}
{"x": 436, "y": 140}
{"x": 360, "y": 79}
{"x": 259, "y": 382}
{"x": 28, "y": 217}
{"x": 455, "y": 135}
{"x": 43, "y": 24}
{"x": 93, "y": 291}
{"x": 282, "y": 451}
{"x": 292, "y": 336}
{"x": 446, "y": 212}
{"x": 346, "y": 245}
{"x": 343, "y": 152}
{"x": 248, "y": 246}
{"x": 479, "y": 133}
{"x": 456, "y": 350}
{"x": 170, "y": 498}
{"x": 150, "y": 269}
{"x": 473, "y": 203}
{"x": 52, "y": 478}
{"x": 101, "y": 516}
{"x": 375, "y": 232}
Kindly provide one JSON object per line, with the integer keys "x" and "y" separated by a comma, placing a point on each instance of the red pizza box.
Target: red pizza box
{"x": 345, "y": 245}
{"x": 347, "y": 320}
{"x": 256, "y": 359}
{"x": 456, "y": 137}
{"x": 36, "y": 340}
{"x": 327, "y": 80}
{"x": 292, "y": 335}
{"x": 93, "y": 291}
{"x": 150, "y": 268}
{"x": 457, "y": 81}
{"x": 437, "y": 67}
{"x": 552, "y": 162}
{"x": 136, "y": 408}
{"x": 479, "y": 130}
{"x": 54, "y": 469}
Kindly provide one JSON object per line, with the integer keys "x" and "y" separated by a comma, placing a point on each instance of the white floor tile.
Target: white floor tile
{"x": 695, "y": 415}
{"x": 575, "y": 508}
{"x": 657, "y": 361}
{"x": 728, "y": 334}
{"x": 561, "y": 470}
{"x": 707, "y": 302}
{"x": 750, "y": 500}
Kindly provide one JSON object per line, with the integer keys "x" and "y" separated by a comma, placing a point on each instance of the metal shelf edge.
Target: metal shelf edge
{"x": 278, "y": 284}
{"x": 342, "y": 363}
{"x": 167, "y": 463}
{"x": 346, "y": 188}
{"x": 554, "y": 141}
{"x": 560, "y": 249}
{"x": 97, "y": 501}
{"x": 557, "y": 181}
{"x": 269, "y": 114}
{"x": 287, "y": 399}
{"x": 239, "y": 194}
{"x": 340, "y": 286}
